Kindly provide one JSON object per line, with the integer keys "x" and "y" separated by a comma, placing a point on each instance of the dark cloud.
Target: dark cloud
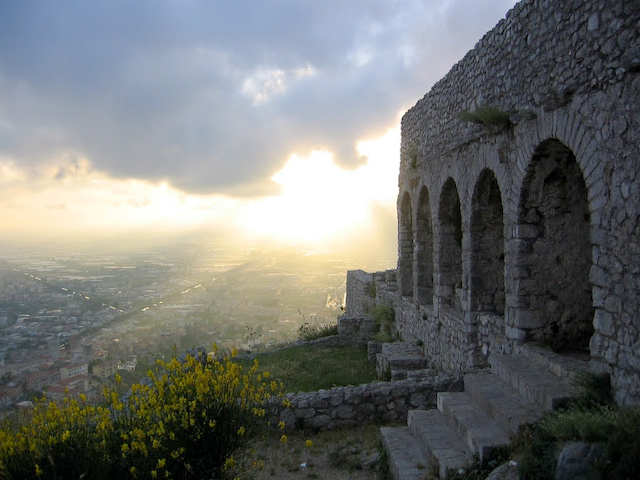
{"x": 162, "y": 89}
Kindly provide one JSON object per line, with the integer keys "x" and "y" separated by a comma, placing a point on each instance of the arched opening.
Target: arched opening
{"x": 554, "y": 252}
{"x": 450, "y": 240}
{"x": 487, "y": 246}
{"x": 405, "y": 246}
{"x": 424, "y": 238}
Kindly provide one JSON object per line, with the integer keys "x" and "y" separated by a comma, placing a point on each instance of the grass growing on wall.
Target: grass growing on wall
{"x": 385, "y": 317}
{"x": 487, "y": 116}
{"x": 312, "y": 331}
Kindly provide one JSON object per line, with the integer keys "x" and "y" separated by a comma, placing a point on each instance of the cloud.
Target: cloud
{"x": 213, "y": 97}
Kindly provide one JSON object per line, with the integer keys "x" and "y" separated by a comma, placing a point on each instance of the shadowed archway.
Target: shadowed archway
{"x": 424, "y": 254}
{"x": 450, "y": 243}
{"x": 405, "y": 246}
{"x": 554, "y": 251}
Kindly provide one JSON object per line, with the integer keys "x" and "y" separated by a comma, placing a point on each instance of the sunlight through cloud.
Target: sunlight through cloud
{"x": 319, "y": 199}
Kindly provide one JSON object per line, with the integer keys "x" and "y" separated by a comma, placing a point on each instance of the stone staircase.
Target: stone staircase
{"x": 401, "y": 360}
{"x": 517, "y": 390}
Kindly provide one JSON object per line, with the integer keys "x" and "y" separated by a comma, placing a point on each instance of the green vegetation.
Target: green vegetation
{"x": 616, "y": 429}
{"x": 312, "y": 367}
{"x": 488, "y": 116}
{"x": 185, "y": 422}
{"x": 312, "y": 331}
{"x": 385, "y": 317}
{"x": 413, "y": 156}
{"x": 591, "y": 417}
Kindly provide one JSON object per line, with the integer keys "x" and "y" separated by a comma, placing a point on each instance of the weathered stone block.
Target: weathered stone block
{"x": 527, "y": 319}
{"x": 603, "y": 322}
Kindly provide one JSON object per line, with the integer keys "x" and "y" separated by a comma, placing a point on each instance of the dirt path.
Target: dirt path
{"x": 339, "y": 455}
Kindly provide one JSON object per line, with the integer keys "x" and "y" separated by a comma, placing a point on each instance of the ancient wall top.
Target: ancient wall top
{"x": 525, "y": 63}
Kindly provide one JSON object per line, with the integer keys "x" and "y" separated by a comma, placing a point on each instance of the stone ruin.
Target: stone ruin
{"x": 519, "y": 198}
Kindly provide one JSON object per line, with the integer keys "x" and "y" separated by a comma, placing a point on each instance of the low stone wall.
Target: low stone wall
{"x": 374, "y": 402}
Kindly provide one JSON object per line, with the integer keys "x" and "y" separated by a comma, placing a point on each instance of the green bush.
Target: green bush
{"x": 385, "y": 318}
{"x": 592, "y": 390}
{"x": 618, "y": 429}
{"x": 185, "y": 422}
{"x": 487, "y": 115}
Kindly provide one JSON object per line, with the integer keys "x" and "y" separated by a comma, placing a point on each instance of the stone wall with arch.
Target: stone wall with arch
{"x": 528, "y": 232}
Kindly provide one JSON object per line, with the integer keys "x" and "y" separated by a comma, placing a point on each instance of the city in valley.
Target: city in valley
{"x": 70, "y": 320}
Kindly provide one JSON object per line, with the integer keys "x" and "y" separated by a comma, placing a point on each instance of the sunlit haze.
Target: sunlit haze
{"x": 190, "y": 118}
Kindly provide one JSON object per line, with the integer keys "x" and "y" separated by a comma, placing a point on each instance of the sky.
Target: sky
{"x": 273, "y": 119}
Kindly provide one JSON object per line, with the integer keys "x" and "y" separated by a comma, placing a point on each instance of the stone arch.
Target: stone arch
{"x": 405, "y": 246}
{"x": 424, "y": 251}
{"x": 553, "y": 256}
{"x": 450, "y": 242}
{"x": 487, "y": 246}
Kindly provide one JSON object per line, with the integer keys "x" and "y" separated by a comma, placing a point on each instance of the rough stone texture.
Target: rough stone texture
{"x": 356, "y": 330}
{"x": 361, "y": 293}
{"x": 399, "y": 359}
{"x": 506, "y": 471}
{"x": 529, "y": 232}
{"x": 494, "y": 405}
{"x": 576, "y": 461}
{"x": 350, "y": 406}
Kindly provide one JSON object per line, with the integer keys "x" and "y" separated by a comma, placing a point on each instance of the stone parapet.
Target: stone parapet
{"x": 374, "y": 402}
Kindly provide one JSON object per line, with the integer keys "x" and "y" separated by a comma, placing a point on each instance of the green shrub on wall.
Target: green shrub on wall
{"x": 385, "y": 317}
{"x": 488, "y": 116}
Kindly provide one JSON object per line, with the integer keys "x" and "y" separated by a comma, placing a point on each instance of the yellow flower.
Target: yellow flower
{"x": 241, "y": 431}
{"x": 229, "y": 463}
{"x": 283, "y": 439}
{"x": 38, "y": 471}
{"x": 308, "y": 444}
{"x": 281, "y": 425}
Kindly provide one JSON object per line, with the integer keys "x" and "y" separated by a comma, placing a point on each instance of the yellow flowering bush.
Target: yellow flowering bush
{"x": 185, "y": 421}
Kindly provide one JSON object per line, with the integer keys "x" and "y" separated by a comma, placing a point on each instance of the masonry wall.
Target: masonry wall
{"x": 528, "y": 232}
{"x": 365, "y": 404}
{"x": 361, "y": 293}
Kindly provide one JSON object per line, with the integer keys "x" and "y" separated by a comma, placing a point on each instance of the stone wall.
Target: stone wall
{"x": 528, "y": 231}
{"x": 374, "y": 402}
{"x": 356, "y": 330}
{"x": 361, "y": 293}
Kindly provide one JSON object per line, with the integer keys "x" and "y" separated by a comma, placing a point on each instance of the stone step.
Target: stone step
{"x": 531, "y": 381}
{"x": 397, "y": 375}
{"x": 443, "y": 448}
{"x": 563, "y": 366}
{"x": 406, "y": 459}
{"x": 399, "y": 358}
{"x": 482, "y": 433}
{"x": 501, "y": 401}
{"x": 404, "y": 355}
